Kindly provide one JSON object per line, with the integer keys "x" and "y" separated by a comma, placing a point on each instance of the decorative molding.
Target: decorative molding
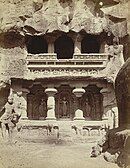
{"x": 93, "y": 56}
{"x": 61, "y": 72}
{"x": 44, "y": 56}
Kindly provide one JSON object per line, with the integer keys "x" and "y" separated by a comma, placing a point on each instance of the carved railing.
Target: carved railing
{"x": 94, "y": 56}
{"x": 42, "y": 60}
{"x": 45, "y": 56}
{"x": 81, "y": 64}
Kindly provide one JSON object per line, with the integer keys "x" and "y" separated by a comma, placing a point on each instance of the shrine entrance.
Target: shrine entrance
{"x": 65, "y": 103}
{"x": 37, "y": 103}
{"x": 92, "y": 103}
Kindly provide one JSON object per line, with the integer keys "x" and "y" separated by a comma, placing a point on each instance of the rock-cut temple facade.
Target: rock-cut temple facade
{"x": 59, "y": 59}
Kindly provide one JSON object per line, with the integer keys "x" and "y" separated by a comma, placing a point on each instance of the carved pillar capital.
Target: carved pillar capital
{"x": 104, "y": 91}
{"x": 50, "y": 91}
{"x": 50, "y": 39}
{"x": 77, "y": 37}
{"x": 78, "y": 92}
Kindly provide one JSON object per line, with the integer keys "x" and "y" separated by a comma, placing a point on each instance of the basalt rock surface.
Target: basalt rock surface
{"x": 117, "y": 144}
{"x": 42, "y": 16}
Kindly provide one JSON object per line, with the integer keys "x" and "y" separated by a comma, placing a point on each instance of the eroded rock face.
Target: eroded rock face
{"x": 123, "y": 94}
{"x": 116, "y": 147}
{"x": 37, "y": 16}
{"x": 4, "y": 93}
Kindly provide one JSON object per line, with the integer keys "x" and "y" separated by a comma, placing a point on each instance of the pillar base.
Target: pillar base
{"x": 79, "y": 115}
{"x": 24, "y": 118}
{"x": 79, "y": 118}
{"x": 51, "y": 114}
{"x": 50, "y": 118}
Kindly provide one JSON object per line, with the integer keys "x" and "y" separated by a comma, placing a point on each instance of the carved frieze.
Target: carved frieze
{"x": 62, "y": 72}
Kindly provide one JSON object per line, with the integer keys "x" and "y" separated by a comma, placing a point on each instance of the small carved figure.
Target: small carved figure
{"x": 42, "y": 108}
{"x": 64, "y": 106}
{"x": 88, "y": 108}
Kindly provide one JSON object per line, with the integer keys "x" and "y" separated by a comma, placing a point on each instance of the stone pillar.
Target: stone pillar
{"x": 77, "y": 45}
{"x": 110, "y": 119}
{"x": 50, "y": 41}
{"x": 51, "y": 103}
{"x": 104, "y": 92}
{"x": 115, "y": 117}
{"x": 78, "y": 113}
{"x": 24, "y": 104}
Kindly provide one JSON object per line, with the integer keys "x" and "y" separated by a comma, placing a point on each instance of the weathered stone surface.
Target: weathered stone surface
{"x": 111, "y": 157}
{"x": 123, "y": 94}
{"x": 25, "y": 16}
{"x": 114, "y": 148}
{"x": 118, "y": 140}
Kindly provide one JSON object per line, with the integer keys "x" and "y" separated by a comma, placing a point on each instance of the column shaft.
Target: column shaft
{"x": 78, "y": 113}
{"x": 24, "y": 107}
{"x": 51, "y": 103}
{"x": 77, "y": 47}
{"x": 50, "y": 47}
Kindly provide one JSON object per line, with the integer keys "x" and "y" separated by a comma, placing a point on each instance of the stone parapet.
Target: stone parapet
{"x": 42, "y": 65}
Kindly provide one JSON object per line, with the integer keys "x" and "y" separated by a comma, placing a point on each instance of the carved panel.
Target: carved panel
{"x": 37, "y": 103}
{"x": 92, "y": 104}
{"x": 64, "y": 102}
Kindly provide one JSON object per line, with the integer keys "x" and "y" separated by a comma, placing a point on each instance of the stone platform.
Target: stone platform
{"x": 68, "y": 131}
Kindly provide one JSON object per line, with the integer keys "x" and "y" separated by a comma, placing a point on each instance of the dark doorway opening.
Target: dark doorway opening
{"x": 90, "y": 44}
{"x": 64, "y": 47}
{"x": 36, "y": 44}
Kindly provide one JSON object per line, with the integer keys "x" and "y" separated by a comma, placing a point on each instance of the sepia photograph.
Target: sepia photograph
{"x": 64, "y": 83}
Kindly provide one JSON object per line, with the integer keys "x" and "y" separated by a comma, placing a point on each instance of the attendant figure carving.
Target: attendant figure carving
{"x": 64, "y": 107}
{"x": 88, "y": 109}
{"x": 42, "y": 108}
